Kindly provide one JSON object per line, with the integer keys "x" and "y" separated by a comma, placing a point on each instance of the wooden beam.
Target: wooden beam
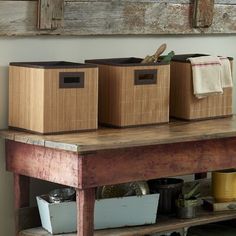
{"x": 106, "y": 138}
{"x": 162, "y": 225}
{"x": 203, "y": 13}
{"x": 123, "y": 17}
{"x": 21, "y": 189}
{"x": 50, "y": 14}
{"x": 85, "y": 207}
{"x": 143, "y": 163}
{"x": 21, "y": 194}
{"x": 43, "y": 163}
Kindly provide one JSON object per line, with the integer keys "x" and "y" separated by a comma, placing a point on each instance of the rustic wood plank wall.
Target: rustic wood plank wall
{"x": 117, "y": 17}
{"x": 50, "y": 14}
{"x": 203, "y": 13}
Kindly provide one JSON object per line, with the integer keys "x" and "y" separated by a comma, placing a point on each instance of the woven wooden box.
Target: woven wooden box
{"x": 131, "y": 93}
{"x": 53, "y": 97}
{"x": 183, "y": 104}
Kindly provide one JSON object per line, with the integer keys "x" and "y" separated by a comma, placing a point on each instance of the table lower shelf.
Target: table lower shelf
{"x": 164, "y": 224}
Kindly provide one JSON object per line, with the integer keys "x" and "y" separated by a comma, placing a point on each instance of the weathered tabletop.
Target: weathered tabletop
{"x": 110, "y": 138}
{"x": 116, "y": 156}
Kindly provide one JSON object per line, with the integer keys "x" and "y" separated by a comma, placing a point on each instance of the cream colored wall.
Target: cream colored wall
{"x": 77, "y": 49}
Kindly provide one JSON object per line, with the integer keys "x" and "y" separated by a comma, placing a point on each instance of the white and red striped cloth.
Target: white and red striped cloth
{"x": 210, "y": 75}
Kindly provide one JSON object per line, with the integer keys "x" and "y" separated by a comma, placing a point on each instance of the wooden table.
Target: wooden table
{"x": 112, "y": 156}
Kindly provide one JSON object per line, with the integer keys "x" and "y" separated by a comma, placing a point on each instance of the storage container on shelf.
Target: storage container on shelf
{"x": 53, "y": 97}
{"x": 132, "y": 93}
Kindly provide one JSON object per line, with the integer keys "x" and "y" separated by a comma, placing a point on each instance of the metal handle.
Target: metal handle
{"x": 71, "y": 80}
{"x": 142, "y": 77}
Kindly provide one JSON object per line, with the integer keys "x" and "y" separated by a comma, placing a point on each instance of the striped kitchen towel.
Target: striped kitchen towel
{"x": 226, "y": 75}
{"x": 210, "y": 75}
{"x": 206, "y": 71}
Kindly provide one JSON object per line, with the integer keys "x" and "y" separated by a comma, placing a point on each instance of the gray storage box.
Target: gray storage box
{"x": 57, "y": 218}
{"x": 108, "y": 213}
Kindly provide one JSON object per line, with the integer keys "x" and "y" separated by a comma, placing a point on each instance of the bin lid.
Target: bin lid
{"x": 184, "y": 57}
{"x": 128, "y": 61}
{"x": 52, "y": 64}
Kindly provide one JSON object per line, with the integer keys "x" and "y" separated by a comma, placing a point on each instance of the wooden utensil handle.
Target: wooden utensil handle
{"x": 160, "y": 50}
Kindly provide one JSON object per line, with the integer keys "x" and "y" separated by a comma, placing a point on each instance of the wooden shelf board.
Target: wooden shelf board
{"x": 164, "y": 224}
{"x": 110, "y": 138}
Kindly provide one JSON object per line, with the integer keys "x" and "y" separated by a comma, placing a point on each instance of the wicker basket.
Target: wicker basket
{"x": 131, "y": 93}
{"x": 184, "y": 105}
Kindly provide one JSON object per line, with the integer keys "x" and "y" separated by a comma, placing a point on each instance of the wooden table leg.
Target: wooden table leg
{"x": 85, "y": 210}
{"x": 21, "y": 196}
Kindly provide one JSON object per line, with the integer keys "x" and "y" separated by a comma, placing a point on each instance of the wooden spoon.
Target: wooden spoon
{"x": 159, "y": 51}
{"x": 154, "y": 58}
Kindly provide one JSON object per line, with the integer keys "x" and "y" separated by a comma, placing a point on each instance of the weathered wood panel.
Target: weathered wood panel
{"x": 85, "y": 207}
{"x": 143, "y": 163}
{"x": 50, "y": 14}
{"x": 21, "y": 190}
{"x": 105, "y": 17}
{"x": 165, "y": 224}
{"x": 110, "y": 138}
{"x": 21, "y": 194}
{"x": 203, "y": 13}
{"x": 42, "y": 163}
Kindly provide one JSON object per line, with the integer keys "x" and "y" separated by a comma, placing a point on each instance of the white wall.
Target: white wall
{"x": 77, "y": 49}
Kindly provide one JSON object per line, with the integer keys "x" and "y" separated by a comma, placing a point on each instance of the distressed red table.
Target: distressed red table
{"x": 112, "y": 156}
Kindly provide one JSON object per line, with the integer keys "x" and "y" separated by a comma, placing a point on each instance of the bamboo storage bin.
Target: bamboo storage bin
{"x": 131, "y": 93}
{"x": 183, "y": 103}
{"x": 53, "y": 97}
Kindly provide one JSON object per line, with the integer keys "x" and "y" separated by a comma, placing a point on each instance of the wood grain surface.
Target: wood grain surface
{"x": 50, "y": 14}
{"x": 144, "y": 163}
{"x": 116, "y": 166}
{"x": 21, "y": 198}
{"x": 43, "y": 163}
{"x": 123, "y": 17}
{"x": 109, "y": 138}
{"x": 85, "y": 209}
{"x": 184, "y": 104}
{"x": 37, "y": 102}
{"x": 70, "y": 109}
{"x": 203, "y": 13}
{"x": 167, "y": 224}
{"x": 26, "y": 104}
{"x": 21, "y": 190}
{"x": 122, "y": 103}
